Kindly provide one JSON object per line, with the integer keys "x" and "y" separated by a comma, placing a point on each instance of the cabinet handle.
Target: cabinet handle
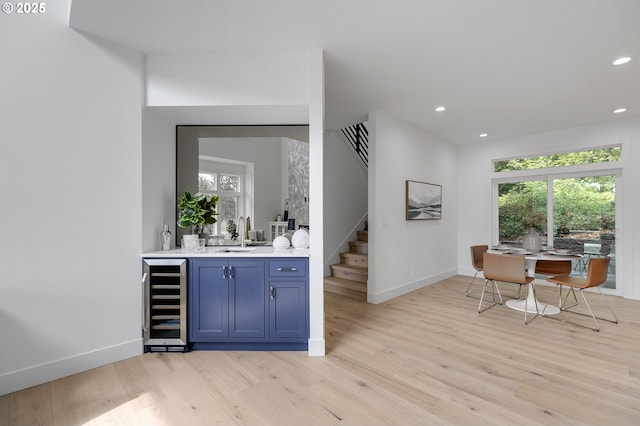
{"x": 272, "y": 292}
{"x": 286, "y": 269}
{"x": 230, "y": 271}
{"x": 224, "y": 272}
{"x": 145, "y": 303}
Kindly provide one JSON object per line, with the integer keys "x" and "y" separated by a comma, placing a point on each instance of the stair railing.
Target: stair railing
{"x": 358, "y": 137}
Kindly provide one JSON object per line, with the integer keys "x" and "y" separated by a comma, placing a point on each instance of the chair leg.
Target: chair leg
{"x": 466, "y": 293}
{"x": 563, "y": 301}
{"x": 551, "y": 298}
{"x": 494, "y": 288}
{"x": 615, "y": 318}
{"x": 533, "y": 289}
{"x": 595, "y": 319}
{"x": 592, "y": 315}
{"x": 518, "y": 288}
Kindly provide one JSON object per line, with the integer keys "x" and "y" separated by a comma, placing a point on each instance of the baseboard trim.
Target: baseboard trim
{"x": 409, "y": 287}
{"x": 38, "y": 374}
{"x": 316, "y": 347}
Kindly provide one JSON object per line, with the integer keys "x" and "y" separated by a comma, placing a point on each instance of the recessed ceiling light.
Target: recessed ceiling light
{"x": 440, "y": 108}
{"x": 483, "y": 135}
{"x": 622, "y": 60}
{"x": 619, "y": 110}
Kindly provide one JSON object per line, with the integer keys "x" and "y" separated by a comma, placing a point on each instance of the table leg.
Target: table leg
{"x": 530, "y": 302}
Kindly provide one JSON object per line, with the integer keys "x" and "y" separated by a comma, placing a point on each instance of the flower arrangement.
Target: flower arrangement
{"x": 196, "y": 210}
{"x": 536, "y": 220}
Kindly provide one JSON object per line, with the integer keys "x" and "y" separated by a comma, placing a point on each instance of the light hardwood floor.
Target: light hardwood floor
{"x": 424, "y": 358}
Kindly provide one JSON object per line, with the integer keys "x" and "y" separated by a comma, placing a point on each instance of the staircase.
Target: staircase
{"x": 349, "y": 277}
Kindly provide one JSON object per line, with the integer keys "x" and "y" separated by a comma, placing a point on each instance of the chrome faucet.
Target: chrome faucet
{"x": 242, "y": 225}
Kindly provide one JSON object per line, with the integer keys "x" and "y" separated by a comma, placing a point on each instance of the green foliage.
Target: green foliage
{"x": 232, "y": 229}
{"x": 586, "y": 203}
{"x": 520, "y": 206}
{"x": 555, "y": 160}
{"x": 196, "y": 210}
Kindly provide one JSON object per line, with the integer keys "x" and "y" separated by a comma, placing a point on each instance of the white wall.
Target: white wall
{"x": 345, "y": 197}
{"x": 158, "y": 179}
{"x": 70, "y": 155}
{"x": 475, "y": 188}
{"x": 230, "y": 80}
{"x": 406, "y": 255}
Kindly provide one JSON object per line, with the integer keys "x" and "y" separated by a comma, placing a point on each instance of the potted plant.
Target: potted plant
{"x": 195, "y": 211}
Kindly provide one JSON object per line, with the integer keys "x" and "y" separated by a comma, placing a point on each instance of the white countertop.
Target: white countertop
{"x": 216, "y": 251}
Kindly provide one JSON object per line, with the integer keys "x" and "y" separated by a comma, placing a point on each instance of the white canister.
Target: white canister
{"x": 300, "y": 239}
{"x": 280, "y": 242}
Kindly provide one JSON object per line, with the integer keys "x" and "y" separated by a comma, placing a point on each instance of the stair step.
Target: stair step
{"x": 356, "y": 259}
{"x": 363, "y": 235}
{"x": 353, "y": 289}
{"x": 359, "y": 246}
{"x": 350, "y": 272}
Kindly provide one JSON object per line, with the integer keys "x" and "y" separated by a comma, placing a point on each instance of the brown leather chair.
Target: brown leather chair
{"x": 476, "y": 261}
{"x": 553, "y": 267}
{"x": 509, "y": 269}
{"x": 596, "y": 276}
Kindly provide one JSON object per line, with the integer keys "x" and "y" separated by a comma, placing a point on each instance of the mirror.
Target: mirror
{"x": 258, "y": 172}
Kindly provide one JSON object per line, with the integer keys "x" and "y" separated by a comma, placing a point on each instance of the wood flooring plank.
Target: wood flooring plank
{"x": 424, "y": 358}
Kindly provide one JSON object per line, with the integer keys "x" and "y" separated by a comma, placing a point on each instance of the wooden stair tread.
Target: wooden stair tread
{"x": 350, "y": 284}
{"x": 349, "y": 277}
{"x": 359, "y": 243}
{"x": 354, "y": 254}
{"x": 353, "y": 268}
{"x": 352, "y": 289}
{"x": 358, "y": 246}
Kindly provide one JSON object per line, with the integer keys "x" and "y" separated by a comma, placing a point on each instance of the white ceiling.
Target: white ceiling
{"x": 504, "y": 67}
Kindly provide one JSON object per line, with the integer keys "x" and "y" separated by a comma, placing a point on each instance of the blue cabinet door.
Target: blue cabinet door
{"x": 247, "y": 296}
{"x": 208, "y": 300}
{"x": 287, "y": 309}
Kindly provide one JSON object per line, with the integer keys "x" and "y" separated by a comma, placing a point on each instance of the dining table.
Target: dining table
{"x": 530, "y": 265}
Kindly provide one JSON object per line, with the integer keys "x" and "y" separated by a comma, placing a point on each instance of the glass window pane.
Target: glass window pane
{"x": 521, "y": 205}
{"x": 206, "y": 181}
{"x": 557, "y": 160}
{"x": 584, "y": 219}
{"x": 227, "y": 210}
{"x": 229, "y": 183}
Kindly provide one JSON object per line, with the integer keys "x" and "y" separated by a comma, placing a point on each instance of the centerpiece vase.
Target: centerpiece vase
{"x": 531, "y": 241}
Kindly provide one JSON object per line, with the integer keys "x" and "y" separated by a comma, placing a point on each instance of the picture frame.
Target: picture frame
{"x": 423, "y": 201}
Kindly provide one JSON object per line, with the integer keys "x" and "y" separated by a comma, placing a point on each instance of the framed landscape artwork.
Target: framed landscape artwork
{"x": 424, "y": 201}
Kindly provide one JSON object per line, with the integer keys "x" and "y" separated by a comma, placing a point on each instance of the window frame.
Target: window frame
{"x": 613, "y": 168}
{"x": 244, "y": 170}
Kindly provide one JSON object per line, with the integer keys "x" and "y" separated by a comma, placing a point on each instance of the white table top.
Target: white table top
{"x": 542, "y": 255}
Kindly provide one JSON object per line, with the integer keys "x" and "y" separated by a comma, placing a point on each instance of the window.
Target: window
{"x": 571, "y": 206}
{"x": 230, "y": 181}
{"x": 602, "y": 155}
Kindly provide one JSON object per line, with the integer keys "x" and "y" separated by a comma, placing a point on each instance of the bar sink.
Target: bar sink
{"x": 236, "y": 250}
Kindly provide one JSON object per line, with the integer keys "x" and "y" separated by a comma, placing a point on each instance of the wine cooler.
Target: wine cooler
{"x": 164, "y": 321}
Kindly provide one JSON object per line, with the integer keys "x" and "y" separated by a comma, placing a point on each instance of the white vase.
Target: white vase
{"x": 300, "y": 239}
{"x": 280, "y": 242}
{"x": 190, "y": 241}
{"x": 531, "y": 241}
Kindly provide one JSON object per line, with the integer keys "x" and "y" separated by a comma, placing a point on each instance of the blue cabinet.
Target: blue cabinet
{"x": 227, "y": 299}
{"x": 288, "y": 301}
{"x": 242, "y": 304}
